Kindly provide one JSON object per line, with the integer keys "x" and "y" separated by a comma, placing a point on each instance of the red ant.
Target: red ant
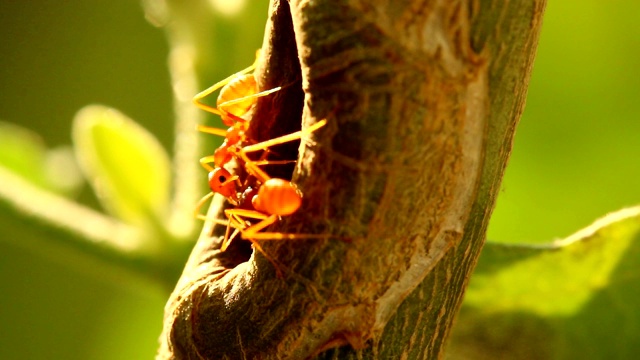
{"x": 275, "y": 197}
{"x": 238, "y": 95}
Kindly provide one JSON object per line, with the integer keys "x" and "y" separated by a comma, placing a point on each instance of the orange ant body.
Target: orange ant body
{"x": 238, "y": 95}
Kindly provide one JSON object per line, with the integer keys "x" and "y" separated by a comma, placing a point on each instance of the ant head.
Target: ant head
{"x": 222, "y": 182}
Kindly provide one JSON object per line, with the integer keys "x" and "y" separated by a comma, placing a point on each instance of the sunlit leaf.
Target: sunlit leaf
{"x": 573, "y": 299}
{"x": 24, "y": 153}
{"x": 61, "y": 170}
{"x": 125, "y": 164}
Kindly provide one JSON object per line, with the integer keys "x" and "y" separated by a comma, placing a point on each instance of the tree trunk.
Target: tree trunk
{"x": 422, "y": 99}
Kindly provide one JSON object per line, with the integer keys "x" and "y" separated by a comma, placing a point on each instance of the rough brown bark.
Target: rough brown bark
{"x": 422, "y": 99}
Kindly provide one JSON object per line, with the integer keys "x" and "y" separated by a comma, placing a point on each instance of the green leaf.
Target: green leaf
{"x": 577, "y": 298}
{"x": 24, "y": 153}
{"x": 126, "y": 166}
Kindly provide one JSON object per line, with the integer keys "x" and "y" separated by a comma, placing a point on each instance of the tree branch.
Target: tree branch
{"x": 422, "y": 99}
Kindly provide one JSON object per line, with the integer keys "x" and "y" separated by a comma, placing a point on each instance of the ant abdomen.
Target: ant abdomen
{"x": 277, "y": 197}
{"x": 238, "y": 88}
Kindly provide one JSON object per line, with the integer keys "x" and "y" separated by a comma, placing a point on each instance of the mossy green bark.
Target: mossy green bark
{"x": 422, "y": 99}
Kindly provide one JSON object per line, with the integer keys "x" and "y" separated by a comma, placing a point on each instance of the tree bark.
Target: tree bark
{"x": 422, "y": 99}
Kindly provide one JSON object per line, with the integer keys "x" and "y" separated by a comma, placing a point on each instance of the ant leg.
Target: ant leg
{"x": 285, "y": 236}
{"x": 244, "y": 98}
{"x": 228, "y": 239}
{"x": 252, "y": 168}
{"x": 237, "y": 225}
{"x": 239, "y": 214}
{"x": 212, "y": 130}
{"x": 197, "y": 215}
{"x": 283, "y": 139}
{"x": 231, "y": 222}
{"x": 264, "y": 161}
{"x": 196, "y": 211}
{"x": 228, "y": 224}
{"x": 252, "y": 232}
{"x": 273, "y": 162}
{"x": 255, "y": 170}
{"x": 244, "y": 213}
{"x": 205, "y": 161}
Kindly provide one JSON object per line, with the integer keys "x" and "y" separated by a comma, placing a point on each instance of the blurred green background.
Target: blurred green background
{"x": 575, "y": 154}
{"x": 577, "y": 147}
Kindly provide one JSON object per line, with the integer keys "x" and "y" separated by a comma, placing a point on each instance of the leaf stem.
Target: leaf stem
{"x": 66, "y": 229}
